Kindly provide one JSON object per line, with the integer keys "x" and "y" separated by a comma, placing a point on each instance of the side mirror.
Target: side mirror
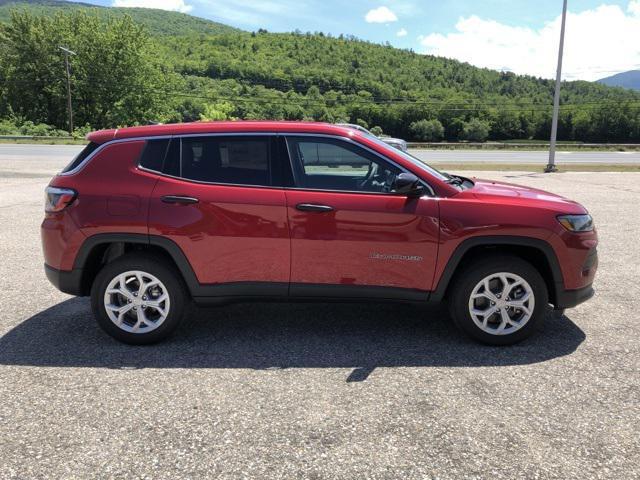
{"x": 408, "y": 184}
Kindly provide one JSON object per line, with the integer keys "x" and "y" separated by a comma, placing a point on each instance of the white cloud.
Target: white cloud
{"x": 380, "y": 15}
{"x": 402, "y": 33}
{"x": 598, "y": 43}
{"x": 174, "y": 5}
{"x": 252, "y": 14}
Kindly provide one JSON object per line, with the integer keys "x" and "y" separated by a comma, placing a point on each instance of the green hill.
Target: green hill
{"x": 348, "y": 79}
{"x": 158, "y": 22}
{"x": 199, "y": 69}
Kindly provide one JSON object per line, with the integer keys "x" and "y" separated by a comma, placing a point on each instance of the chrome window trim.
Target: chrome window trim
{"x": 90, "y": 157}
{"x": 144, "y": 138}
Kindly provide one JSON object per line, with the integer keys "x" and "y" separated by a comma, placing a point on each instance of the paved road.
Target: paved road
{"x": 319, "y": 391}
{"x": 50, "y": 152}
{"x": 524, "y": 157}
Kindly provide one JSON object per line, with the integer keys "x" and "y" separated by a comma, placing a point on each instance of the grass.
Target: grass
{"x": 528, "y": 167}
{"x": 47, "y": 141}
{"x": 526, "y": 146}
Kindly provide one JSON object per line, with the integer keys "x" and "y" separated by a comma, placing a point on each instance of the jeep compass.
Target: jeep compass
{"x": 146, "y": 220}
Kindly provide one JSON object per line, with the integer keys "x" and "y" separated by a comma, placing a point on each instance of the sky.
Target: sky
{"x": 522, "y": 36}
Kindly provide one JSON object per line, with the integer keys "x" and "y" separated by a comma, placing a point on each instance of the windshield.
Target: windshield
{"x": 414, "y": 161}
{"x": 356, "y": 127}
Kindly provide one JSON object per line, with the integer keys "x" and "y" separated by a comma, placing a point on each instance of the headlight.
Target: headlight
{"x": 576, "y": 223}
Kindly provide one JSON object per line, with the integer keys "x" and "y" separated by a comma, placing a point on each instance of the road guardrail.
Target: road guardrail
{"x": 510, "y": 145}
{"x": 34, "y": 137}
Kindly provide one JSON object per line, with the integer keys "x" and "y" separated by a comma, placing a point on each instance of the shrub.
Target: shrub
{"x": 377, "y": 131}
{"x": 427, "y": 130}
{"x": 81, "y": 132}
{"x": 7, "y": 127}
{"x": 476, "y": 130}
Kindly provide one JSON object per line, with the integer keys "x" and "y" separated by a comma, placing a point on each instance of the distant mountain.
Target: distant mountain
{"x": 630, "y": 79}
{"x": 159, "y": 22}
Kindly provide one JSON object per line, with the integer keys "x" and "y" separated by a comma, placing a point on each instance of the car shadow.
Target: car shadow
{"x": 278, "y": 336}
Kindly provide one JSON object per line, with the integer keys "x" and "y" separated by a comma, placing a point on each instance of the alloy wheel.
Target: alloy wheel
{"x": 501, "y": 303}
{"x": 136, "y": 301}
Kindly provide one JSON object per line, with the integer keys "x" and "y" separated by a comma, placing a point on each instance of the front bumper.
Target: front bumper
{"x": 572, "y": 298}
{"x": 66, "y": 281}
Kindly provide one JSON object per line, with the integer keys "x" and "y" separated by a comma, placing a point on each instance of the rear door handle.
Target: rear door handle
{"x": 180, "y": 199}
{"x": 312, "y": 207}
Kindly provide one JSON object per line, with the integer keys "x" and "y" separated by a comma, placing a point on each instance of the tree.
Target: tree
{"x": 476, "y": 130}
{"x": 217, "y": 111}
{"x": 427, "y": 130}
{"x": 582, "y": 125}
{"x": 362, "y": 123}
{"x": 124, "y": 74}
{"x": 507, "y": 124}
{"x": 114, "y": 80}
{"x": 377, "y": 131}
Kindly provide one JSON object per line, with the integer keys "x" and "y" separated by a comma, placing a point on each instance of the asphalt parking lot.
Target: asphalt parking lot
{"x": 319, "y": 390}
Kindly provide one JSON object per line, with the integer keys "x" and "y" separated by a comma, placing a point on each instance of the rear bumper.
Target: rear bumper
{"x": 571, "y": 298}
{"x": 66, "y": 281}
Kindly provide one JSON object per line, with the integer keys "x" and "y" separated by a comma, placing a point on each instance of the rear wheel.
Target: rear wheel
{"x": 499, "y": 300}
{"x": 138, "y": 299}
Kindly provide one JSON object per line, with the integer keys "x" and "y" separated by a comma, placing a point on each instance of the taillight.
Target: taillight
{"x": 57, "y": 199}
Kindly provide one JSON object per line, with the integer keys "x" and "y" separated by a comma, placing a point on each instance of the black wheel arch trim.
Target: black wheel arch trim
{"x": 498, "y": 240}
{"x": 172, "y": 249}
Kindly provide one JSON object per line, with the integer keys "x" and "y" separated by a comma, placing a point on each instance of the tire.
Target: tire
{"x": 525, "y": 285}
{"x": 137, "y": 317}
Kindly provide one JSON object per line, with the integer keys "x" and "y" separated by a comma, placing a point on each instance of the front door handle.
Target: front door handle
{"x": 312, "y": 207}
{"x": 180, "y": 199}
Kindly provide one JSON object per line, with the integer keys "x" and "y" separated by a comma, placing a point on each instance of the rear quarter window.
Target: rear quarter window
{"x": 86, "y": 151}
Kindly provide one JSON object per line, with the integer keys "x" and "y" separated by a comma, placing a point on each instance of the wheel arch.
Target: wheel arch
{"x": 537, "y": 252}
{"x": 98, "y": 250}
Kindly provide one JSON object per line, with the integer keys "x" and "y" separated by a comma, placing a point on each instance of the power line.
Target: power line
{"x": 347, "y": 100}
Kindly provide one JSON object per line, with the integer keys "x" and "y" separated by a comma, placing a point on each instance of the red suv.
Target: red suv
{"x": 148, "y": 219}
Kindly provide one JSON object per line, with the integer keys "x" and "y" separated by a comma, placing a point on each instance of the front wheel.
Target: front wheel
{"x": 500, "y": 300}
{"x": 138, "y": 299}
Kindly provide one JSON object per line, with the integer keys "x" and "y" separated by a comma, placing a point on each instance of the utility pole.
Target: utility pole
{"x": 551, "y": 166}
{"x": 68, "y": 52}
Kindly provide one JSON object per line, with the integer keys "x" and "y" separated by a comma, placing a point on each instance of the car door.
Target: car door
{"x": 351, "y": 235}
{"x": 219, "y": 199}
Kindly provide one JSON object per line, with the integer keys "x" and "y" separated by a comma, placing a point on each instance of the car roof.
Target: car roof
{"x": 102, "y": 136}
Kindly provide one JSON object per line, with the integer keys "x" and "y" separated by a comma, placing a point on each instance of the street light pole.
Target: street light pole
{"x": 551, "y": 166}
{"x": 68, "y": 52}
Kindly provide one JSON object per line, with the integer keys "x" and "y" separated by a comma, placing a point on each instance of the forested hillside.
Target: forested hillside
{"x": 128, "y": 72}
{"x": 158, "y": 22}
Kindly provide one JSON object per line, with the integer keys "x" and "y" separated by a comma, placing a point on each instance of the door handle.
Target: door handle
{"x": 180, "y": 199}
{"x": 312, "y": 207}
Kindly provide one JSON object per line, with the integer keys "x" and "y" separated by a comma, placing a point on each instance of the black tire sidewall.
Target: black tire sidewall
{"x": 469, "y": 278}
{"x": 157, "y": 267}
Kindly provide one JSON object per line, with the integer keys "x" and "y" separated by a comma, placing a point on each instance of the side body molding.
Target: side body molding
{"x": 265, "y": 290}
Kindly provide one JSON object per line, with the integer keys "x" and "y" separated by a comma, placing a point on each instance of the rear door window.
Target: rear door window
{"x": 153, "y": 154}
{"x": 239, "y": 160}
